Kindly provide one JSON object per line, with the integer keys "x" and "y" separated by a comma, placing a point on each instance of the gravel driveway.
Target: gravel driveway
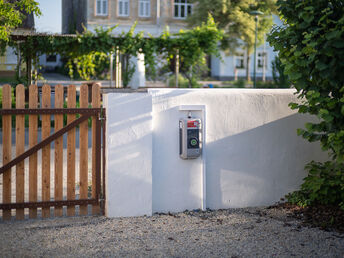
{"x": 225, "y": 233}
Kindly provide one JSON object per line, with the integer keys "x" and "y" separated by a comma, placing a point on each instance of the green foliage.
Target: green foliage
{"x": 240, "y": 83}
{"x": 311, "y": 48}
{"x": 267, "y": 85}
{"x": 11, "y": 13}
{"x": 128, "y": 71}
{"x": 280, "y": 79}
{"x": 88, "y": 66}
{"x": 192, "y": 46}
{"x": 182, "y": 81}
{"x": 323, "y": 185}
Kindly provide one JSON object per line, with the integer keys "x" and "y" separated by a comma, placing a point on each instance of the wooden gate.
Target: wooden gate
{"x": 75, "y": 179}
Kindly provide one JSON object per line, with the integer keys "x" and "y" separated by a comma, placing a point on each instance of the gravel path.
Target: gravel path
{"x": 225, "y": 233}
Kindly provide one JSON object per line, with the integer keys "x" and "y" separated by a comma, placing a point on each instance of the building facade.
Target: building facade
{"x": 234, "y": 67}
{"x": 152, "y": 16}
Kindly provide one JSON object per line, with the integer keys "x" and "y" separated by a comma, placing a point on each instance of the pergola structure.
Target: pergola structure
{"x": 20, "y": 36}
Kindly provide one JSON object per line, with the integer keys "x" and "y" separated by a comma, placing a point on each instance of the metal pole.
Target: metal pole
{"x": 177, "y": 68}
{"x": 255, "y": 53}
{"x": 111, "y": 68}
{"x": 264, "y": 60}
{"x": 117, "y": 67}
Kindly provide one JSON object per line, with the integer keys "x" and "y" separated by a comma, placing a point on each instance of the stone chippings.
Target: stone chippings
{"x": 247, "y": 232}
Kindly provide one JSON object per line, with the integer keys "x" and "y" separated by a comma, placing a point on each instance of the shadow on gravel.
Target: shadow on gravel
{"x": 324, "y": 217}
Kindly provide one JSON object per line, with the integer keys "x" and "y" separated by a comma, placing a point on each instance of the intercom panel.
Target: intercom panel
{"x": 190, "y": 138}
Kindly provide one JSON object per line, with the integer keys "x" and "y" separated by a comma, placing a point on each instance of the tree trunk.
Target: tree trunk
{"x": 248, "y": 58}
{"x": 189, "y": 78}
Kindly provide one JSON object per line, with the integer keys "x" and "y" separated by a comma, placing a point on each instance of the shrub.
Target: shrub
{"x": 266, "y": 85}
{"x": 311, "y": 49}
{"x": 182, "y": 82}
{"x": 280, "y": 79}
{"x": 323, "y": 185}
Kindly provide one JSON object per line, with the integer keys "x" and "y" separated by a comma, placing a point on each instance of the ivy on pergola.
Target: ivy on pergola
{"x": 191, "y": 44}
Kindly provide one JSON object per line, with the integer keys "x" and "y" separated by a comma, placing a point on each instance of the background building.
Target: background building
{"x": 152, "y": 15}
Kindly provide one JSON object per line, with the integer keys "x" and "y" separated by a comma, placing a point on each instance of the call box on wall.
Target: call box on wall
{"x": 190, "y": 143}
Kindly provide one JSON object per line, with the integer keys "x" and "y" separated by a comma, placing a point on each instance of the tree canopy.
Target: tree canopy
{"x": 12, "y": 14}
{"x": 235, "y": 19}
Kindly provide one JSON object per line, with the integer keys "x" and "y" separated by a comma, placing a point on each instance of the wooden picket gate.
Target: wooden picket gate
{"x": 52, "y": 186}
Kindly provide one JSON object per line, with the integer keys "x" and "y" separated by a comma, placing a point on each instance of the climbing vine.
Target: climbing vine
{"x": 83, "y": 50}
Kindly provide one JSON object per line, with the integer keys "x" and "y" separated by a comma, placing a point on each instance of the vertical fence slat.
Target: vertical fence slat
{"x": 20, "y": 148}
{"x": 58, "y": 150}
{"x": 46, "y": 96}
{"x": 33, "y": 128}
{"x": 7, "y": 149}
{"x": 83, "y": 150}
{"x": 95, "y": 104}
{"x": 71, "y": 151}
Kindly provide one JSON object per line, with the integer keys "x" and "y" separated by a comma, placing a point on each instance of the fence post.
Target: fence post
{"x": 46, "y": 99}
{"x": 71, "y": 151}
{"x": 7, "y": 148}
{"x": 83, "y": 147}
{"x": 33, "y": 128}
{"x": 20, "y": 148}
{"x": 59, "y": 98}
{"x": 95, "y": 104}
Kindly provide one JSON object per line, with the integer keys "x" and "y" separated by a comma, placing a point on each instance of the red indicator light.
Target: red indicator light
{"x": 193, "y": 123}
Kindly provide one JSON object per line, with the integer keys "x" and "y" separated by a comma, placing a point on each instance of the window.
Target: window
{"x": 261, "y": 59}
{"x": 11, "y": 56}
{"x": 123, "y": 7}
{"x": 51, "y": 59}
{"x": 102, "y": 7}
{"x": 239, "y": 61}
{"x": 144, "y": 8}
{"x": 182, "y": 8}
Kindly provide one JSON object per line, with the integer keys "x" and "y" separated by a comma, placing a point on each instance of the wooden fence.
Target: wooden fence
{"x": 51, "y": 186}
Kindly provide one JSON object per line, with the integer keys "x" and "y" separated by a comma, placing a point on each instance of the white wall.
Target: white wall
{"x": 49, "y": 65}
{"x": 129, "y": 155}
{"x": 253, "y": 155}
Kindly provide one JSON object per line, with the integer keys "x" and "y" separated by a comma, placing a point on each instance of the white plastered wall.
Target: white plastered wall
{"x": 253, "y": 155}
{"x": 129, "y": 155}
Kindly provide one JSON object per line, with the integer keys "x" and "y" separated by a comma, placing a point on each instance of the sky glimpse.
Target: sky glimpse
{"x": 51, "y": 18}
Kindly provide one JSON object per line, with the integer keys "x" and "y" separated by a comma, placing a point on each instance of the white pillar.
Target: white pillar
{"x": 128, "y": 154}
{"x": 139, "y": 77}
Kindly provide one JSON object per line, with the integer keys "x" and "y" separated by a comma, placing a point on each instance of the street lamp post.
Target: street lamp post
{"x": 255, "y": 13}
